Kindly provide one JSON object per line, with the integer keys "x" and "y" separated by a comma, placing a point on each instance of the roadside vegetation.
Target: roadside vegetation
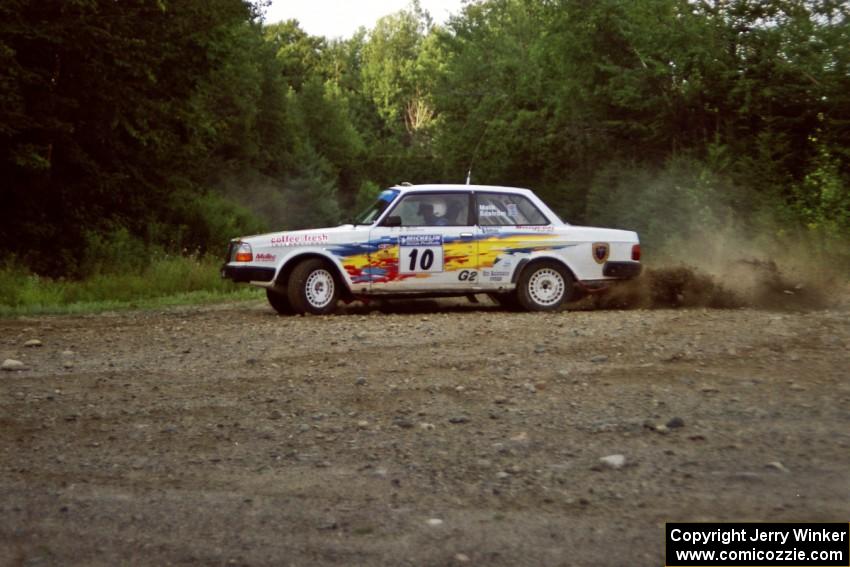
{"x": 136, "y": 138}
{"x": 164, "y": 281}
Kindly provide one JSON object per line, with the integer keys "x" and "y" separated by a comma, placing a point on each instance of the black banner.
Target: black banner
{"x": 758, "y": 545}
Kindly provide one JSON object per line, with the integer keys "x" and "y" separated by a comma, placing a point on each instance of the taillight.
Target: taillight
{"x": 243, "y": 253}
{"x": 636, "y": 252}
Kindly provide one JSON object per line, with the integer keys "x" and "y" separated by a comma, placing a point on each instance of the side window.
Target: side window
{"x": 433, "y": 209}
{"x": 507, "y": 209}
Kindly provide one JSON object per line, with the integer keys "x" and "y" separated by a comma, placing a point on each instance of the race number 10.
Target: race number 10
{"x": 420, "y": 254}
{"x": 420, "y": 259}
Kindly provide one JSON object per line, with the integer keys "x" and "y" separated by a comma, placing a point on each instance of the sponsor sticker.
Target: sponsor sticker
{"x": 265, "y": 257}
{"x": 489, "y": 210}
{"x": 420, "y": 240}
{"x": 536, "y": 228}
{"x": 299, "y": 239}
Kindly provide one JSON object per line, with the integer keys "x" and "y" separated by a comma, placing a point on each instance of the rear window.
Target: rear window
{"x": 507, "y": 209}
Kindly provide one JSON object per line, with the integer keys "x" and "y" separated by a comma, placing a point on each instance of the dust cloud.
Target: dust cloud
{"x": 727, "y": 271}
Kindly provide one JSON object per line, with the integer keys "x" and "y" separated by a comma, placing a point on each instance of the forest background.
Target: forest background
{"x": 138, "y": 137}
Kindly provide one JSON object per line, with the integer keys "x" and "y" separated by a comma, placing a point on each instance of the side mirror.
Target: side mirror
{"x": 392, "y": 221}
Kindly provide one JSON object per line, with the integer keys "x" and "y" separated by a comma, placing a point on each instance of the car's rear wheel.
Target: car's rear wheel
{"x": 279, "y": 301}
{"x": 544, "y": 286}
{"x": 313, "y": 288}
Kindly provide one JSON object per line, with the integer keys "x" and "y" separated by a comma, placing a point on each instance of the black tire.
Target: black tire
{"x": 279, "y": 301}
{"x": 544, "y": 286}
{"x": 507, "y": 300}
{"x": 313, "y": 288}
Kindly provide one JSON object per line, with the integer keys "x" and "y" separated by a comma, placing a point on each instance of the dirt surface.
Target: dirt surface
{"x": 425, "y": 435}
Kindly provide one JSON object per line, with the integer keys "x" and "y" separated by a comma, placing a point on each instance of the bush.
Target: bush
{"x": 680, "y": 200}
{"x": 822, "y": 200}
{"x": 204, "y": 224}
{"x": 115, "y": 251}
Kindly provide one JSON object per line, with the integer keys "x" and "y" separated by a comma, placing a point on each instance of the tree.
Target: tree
{"x": 96, "y": 133}
{"x": 392, "y": 74}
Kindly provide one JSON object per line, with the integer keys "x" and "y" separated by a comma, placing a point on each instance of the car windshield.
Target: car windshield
{"x": 374, "y": 210}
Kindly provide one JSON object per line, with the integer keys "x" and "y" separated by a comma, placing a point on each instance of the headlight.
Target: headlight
{"x": 241, "y": 252}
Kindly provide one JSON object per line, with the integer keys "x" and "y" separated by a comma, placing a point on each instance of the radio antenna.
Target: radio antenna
{"x": 481, "y": 139}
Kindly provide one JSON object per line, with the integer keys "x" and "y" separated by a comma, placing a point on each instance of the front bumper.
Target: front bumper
{"x": 247, "y": 273}
{"x": 621, "y": 270}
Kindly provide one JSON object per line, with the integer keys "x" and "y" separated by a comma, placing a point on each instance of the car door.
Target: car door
{"x": 512, "y": 230}
{"x": 425, "y": 243}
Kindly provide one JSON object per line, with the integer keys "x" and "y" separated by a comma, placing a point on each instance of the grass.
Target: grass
{"x": 165, "y": 281}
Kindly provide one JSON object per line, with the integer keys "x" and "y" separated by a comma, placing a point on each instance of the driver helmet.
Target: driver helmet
{"x": 440, "y": 208}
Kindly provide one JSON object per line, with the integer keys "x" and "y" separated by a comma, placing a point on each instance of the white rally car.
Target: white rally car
{"x": 432, "y": 241}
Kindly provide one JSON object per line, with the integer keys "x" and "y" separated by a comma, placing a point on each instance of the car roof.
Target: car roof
{"x": 459, "y": 187}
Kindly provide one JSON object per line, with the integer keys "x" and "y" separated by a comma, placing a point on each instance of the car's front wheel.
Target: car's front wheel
{"x": 312, "y": 288}
{"x": 544, "y": 286}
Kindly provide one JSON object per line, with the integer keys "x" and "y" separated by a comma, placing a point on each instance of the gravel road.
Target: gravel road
{"x": 426, "y": 434}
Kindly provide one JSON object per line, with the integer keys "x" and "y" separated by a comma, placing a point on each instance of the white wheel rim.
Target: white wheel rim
{"x": 546, "y": 287}
{"x": 319, "y": 288}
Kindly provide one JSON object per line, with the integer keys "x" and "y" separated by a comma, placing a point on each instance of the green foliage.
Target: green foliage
{"x": 165, "y": 280}
{"x": 366, "y": 195}
{"x": 683, "y": 199}
{"x": 206, "y": 223}
{"x": 98, "y": 134}
{"x": 822, "y": 199}
{"x": 298, "y": 53}
{"x": 326, "y": 125}
{"x": 391, "y": 69}
{"x": 311, "y": 199}
{"x": 116, "y": 252}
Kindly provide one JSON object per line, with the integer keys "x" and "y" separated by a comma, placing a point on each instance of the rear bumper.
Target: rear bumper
{"x": 247, "y": 273}
{"x": 621, "y": 270}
